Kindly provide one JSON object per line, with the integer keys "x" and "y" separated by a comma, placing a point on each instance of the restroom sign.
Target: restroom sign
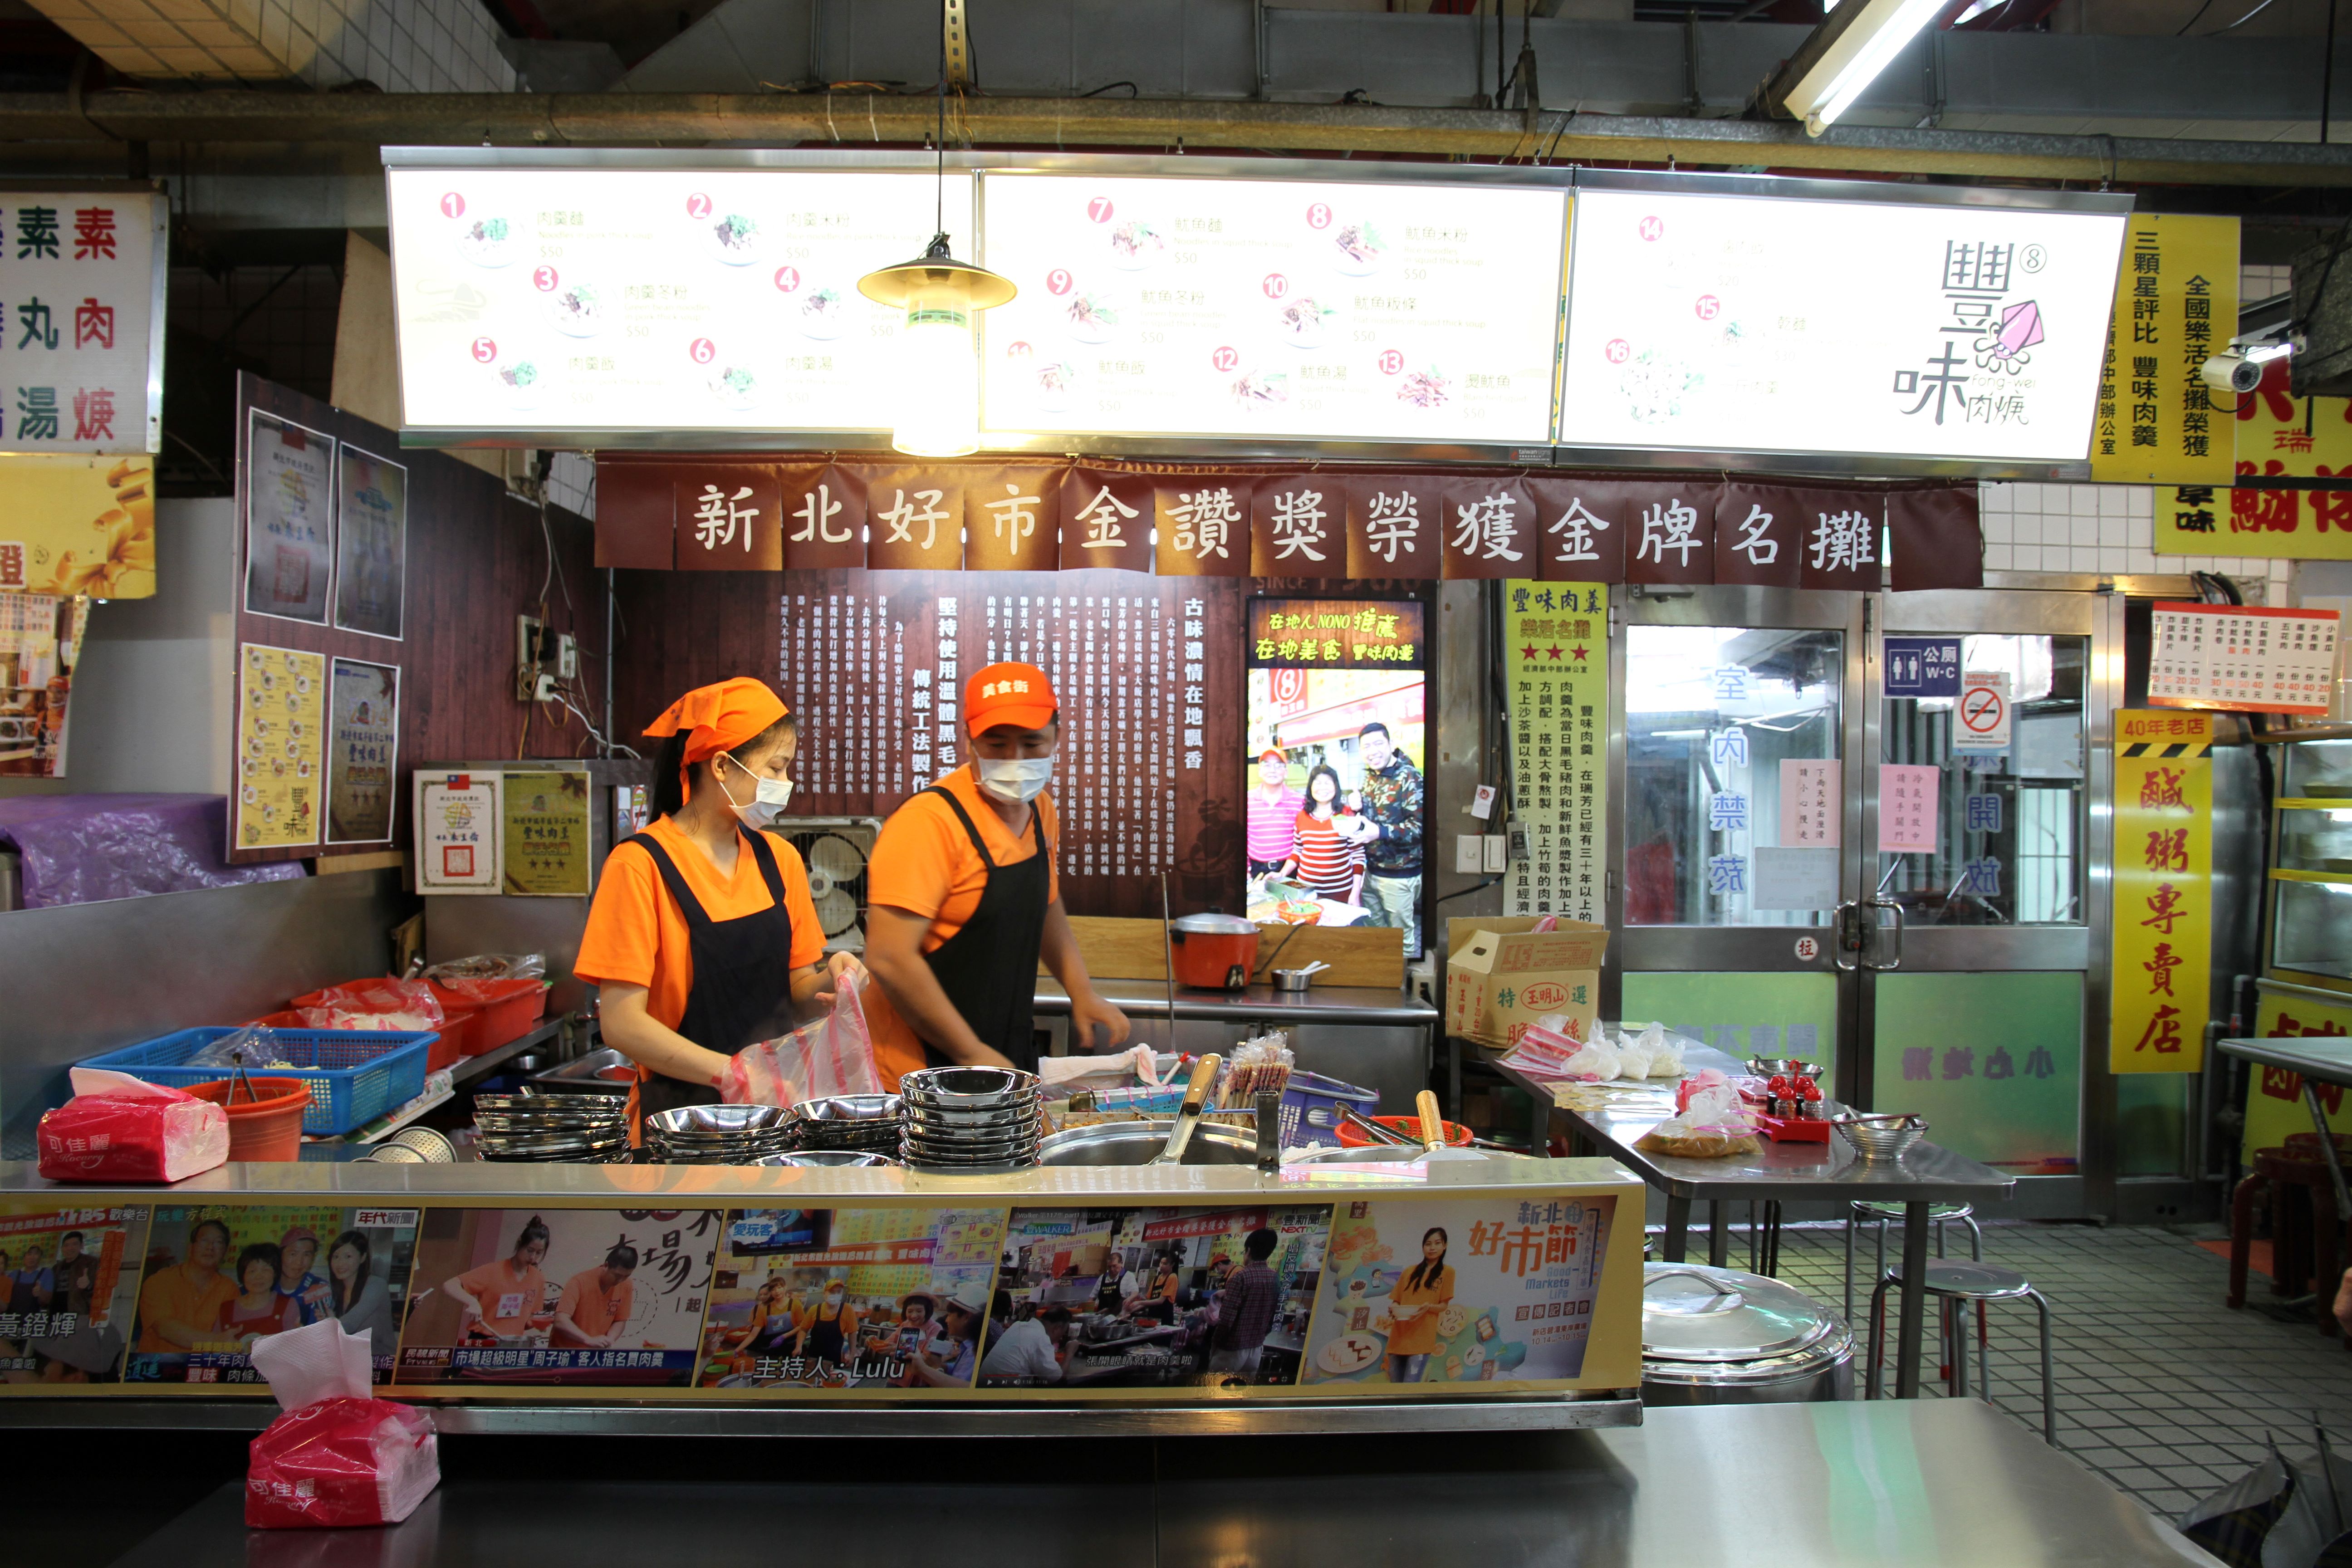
{"x": 1923, "y": 667}
{"x": 1982, "y": 719}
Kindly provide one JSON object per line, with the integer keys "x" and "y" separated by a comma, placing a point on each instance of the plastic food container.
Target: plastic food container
{"x": 354, "y": 1075}
{"x": 509, "y": 1010}
{"x": 268, "y": 1128}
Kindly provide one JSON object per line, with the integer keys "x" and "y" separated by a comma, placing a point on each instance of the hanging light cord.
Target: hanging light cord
{"x": 939, "y": 145}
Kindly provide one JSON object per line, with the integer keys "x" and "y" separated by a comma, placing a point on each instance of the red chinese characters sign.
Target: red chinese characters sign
{"x": 2163, "y": 891}
{"x": 80, "y": 361}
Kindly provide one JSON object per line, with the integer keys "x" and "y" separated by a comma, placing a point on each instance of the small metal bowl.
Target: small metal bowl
{"x": 829, "y": 1159}
{"x": 968, "y": 1088}
{"x": 1881, "y": 1139}
{"x": 719, "y": 1121}
{"x": 849, "y": 1107}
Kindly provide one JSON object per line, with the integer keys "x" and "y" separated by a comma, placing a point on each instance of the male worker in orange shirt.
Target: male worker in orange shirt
{"x": 963, "y": 898}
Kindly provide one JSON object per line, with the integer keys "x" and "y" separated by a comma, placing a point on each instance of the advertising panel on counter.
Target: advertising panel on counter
{"x": 82, "y": 361}
{"x": 1720, "y": 321}
{"x": 72, "y": 1280}
{"x": 281, "y": 738}
{"x": 1271, "y": 308}
{"x": 218, "y": 1276}
{"x": 652, "y": 299}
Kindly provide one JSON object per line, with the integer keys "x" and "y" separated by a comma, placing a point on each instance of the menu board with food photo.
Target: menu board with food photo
{"x": 1272, "y": 307}
{"x": 840, "y": 1299}
{"x": 219, "y": 1277}
{"x": 1141, "y": 1298}
{"x": 280, "y": 745}
{"x": 547, "y": 298}
{"x": 1469, "y": 1290}
{"x": 530, "y": 1297}
{"x": 68, "y": 1282}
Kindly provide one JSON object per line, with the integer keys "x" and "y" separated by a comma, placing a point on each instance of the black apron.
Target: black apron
{"x": 826, "y": 1341}
{"x": 988, "y": 969}
{"x": 742, "y": 988}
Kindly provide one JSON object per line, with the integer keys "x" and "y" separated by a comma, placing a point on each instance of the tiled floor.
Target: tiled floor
{"x": 2161, "y": 1388}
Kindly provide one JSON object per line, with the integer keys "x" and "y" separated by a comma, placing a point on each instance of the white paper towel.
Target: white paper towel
{"x": 318, "y": 1361}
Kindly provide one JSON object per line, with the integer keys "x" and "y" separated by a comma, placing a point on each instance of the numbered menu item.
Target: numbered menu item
{"x": 525, "y": 1297}
{"x": 1271, "y": 307}
{"x": 652, "y": 300}
{"x": 1721, "y": 322}
{"x": 363, "y": 744}
{"x": 70, "y": 1278}
{"x": 458, "y": 830}
{"x": 545, "y": 820}
{"x": 850, "y": 1298}
{"x": 1477, "y": 1291}
{"x": 219, "y": 1277}
{"x": 280, "y": 745}
{"x": 289, "y": 519}
{"x": 2247, "y": 660}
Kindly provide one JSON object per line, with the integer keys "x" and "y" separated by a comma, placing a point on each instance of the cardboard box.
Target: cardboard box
{"x": 1503, "y": 974}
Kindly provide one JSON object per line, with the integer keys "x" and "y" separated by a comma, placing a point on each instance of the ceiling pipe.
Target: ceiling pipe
{"x": 840, "y": 120}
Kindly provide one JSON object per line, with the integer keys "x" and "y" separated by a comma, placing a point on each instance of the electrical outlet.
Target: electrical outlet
{"x": 1468, "y": 857}
{"x": 543, "y": 688}
{"x": 567, "y": 657}
{"x": 1498, "y": 852}
{"x": 531, "y": 654}
{"x": 1517, "y": 834}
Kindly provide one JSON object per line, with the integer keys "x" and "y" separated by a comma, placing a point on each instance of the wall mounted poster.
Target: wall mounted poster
{"x": 362, "y": 749}
{"x": 289, "y": 519}
{"x": 371, "y": 544}
{"x": 1467, "y": 1291}
{"x": 90, "y": 1257}
{"x": 1271, "y": 307}
{"x": 521, "y": 1298}
{"x": 280, "y": 745}
{"x": 218, "y": 1277}
{"x": 1557, "y": 652}
{"x": 458, "y": 832}
{"x": 545, "y": 849}
{"x": 841, "y": 1299}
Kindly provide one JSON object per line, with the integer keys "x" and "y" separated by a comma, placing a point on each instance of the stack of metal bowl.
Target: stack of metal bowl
{"x": 717, "y": 1134}
{"x": 859, "y": 1123}
{"x": 570, "y": 1129}
{"x": 829, "y": 1159}
{"x": 969, "y": 1122}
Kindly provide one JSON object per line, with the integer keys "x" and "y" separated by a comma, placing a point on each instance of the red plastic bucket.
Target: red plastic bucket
{"x": 270, "y": 1128}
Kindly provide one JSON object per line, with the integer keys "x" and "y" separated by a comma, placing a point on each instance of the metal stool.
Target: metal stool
{"x": 1939, "y": 1215}
{"x": 1957, "y": 1284}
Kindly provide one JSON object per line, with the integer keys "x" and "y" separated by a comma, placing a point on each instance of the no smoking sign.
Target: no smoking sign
{"x": 1982, "y": 717}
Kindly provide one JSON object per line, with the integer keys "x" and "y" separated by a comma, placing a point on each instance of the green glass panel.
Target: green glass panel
{"x": 2151, "y": 1120}
{"x": 1743, "y": 1014}
{"x": 1994, "y": 1062}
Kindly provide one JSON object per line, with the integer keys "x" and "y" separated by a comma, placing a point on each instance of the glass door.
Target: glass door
{"x": 1978, "y": 966}
{"x": 1734, "y": 721}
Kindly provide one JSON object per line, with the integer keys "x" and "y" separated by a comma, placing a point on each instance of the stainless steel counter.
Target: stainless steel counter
{"x": 1777, "y": 1486}
{"x": 1378, "y": 1039}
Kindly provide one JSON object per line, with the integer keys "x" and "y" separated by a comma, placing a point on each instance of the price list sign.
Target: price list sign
{"x": 1146, "y": 670}
{"x": 2242, "y": 659}
{"x": 1557, "y": 634}
{"x": 81, "y": 363}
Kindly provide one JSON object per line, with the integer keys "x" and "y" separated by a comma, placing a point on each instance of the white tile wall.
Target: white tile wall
{"x": 325, "y": 42}
{"x": 572, "y": 483}
{"x": 2103, "y": 528}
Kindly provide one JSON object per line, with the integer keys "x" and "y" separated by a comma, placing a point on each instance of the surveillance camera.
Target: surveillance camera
{"x": 2233, "y": 372}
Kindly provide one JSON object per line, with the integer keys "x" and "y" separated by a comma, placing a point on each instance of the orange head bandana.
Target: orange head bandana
{"x": 719, "y": 717}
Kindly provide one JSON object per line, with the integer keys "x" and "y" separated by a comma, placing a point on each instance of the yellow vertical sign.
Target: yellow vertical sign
{"x": 2176, "y": 303}
{"x": 2163, "y": 940}
{"x": 1557, "y": 665}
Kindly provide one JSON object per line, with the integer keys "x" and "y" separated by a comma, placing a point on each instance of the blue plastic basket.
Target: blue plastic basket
{"x": 1310, "y": 1107}
{"x": 356, "y": 1075}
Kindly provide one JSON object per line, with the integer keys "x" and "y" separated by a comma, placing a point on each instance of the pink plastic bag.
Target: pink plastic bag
{"x": 833, "y": 1055}
{"x": 337, "y": 1457}
{"x": 118, "y": 1128}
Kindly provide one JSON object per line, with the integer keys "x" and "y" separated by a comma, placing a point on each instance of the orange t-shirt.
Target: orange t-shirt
{"x": 593, "y": 1311}
{"x": 509, "y": 1298}
{"x": 923, "y": 862}
{"x": 637, "y": 934}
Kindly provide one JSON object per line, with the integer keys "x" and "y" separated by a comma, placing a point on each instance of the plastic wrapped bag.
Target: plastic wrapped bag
{"x": 252, "y": 1048}
{"x": 1713, "y": 1124}
{"x": 833, "y": 1055}
{"x": 1596, "y": 1062}
{"x": 491, "y": 966}
{"x": 1632, "y": 1058}
{"x": 118, "y": 1128}
{"x": 1666, "y": 1059}
{"x": 339, "y": 1457}
{"x": 404, "y": 1004}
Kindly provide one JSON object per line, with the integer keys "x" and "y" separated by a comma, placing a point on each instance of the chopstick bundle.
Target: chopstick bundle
{"x": 1256, "y": 1065}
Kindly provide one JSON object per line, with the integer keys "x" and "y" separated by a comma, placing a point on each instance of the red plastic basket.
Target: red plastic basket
{"x": 510, "y": 1009}
{"x": 454, "y": 1038}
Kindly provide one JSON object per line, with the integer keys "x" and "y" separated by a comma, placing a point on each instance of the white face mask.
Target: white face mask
{"x": 769, "y": 798}
{"x": 1016, "y": 780}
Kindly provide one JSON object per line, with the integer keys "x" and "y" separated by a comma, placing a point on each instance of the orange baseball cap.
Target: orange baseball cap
{"x": 1017, "y": 695}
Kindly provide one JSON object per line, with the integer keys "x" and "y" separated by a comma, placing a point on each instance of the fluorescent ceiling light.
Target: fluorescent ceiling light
{"x": 1845, "y": 54}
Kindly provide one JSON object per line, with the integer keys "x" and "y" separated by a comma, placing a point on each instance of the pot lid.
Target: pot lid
{"x": 1216, "y": 925}
{"x": 1695, "y": 1313}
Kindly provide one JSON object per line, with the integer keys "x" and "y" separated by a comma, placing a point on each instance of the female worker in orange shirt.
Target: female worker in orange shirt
{"x": 703, "y": 937}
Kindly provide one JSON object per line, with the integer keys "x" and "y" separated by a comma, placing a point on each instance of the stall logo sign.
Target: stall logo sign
{"x": 2162, "y": 945}
{"x": 1976, "y": 373}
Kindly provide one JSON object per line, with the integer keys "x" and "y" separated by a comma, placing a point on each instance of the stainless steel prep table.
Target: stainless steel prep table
{"x": 1377, "y": 1039}
{"x": 1785, "y": 1172}
{"x": 1919, "y": 1483}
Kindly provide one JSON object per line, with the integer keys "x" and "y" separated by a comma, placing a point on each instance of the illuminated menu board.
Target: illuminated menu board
{"x": 1271, "y": 308}
{"x": 643, "y": 300}
{"x": 1721, "y": 322}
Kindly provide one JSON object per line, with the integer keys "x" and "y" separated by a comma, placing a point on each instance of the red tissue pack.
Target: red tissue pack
{"x": 337, "y": 1458}
{"x": 118, "y": 1128}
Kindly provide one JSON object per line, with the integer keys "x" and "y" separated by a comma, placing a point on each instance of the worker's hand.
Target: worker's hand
{"x": 839, "y": 965}
{"x": 2344, "y": 1301}
{"x": 1085, "y": 1012}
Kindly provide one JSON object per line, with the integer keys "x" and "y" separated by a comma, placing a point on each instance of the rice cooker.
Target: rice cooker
{"x": 1716, "y": 1336}
{"x": 1213, "y": 951}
